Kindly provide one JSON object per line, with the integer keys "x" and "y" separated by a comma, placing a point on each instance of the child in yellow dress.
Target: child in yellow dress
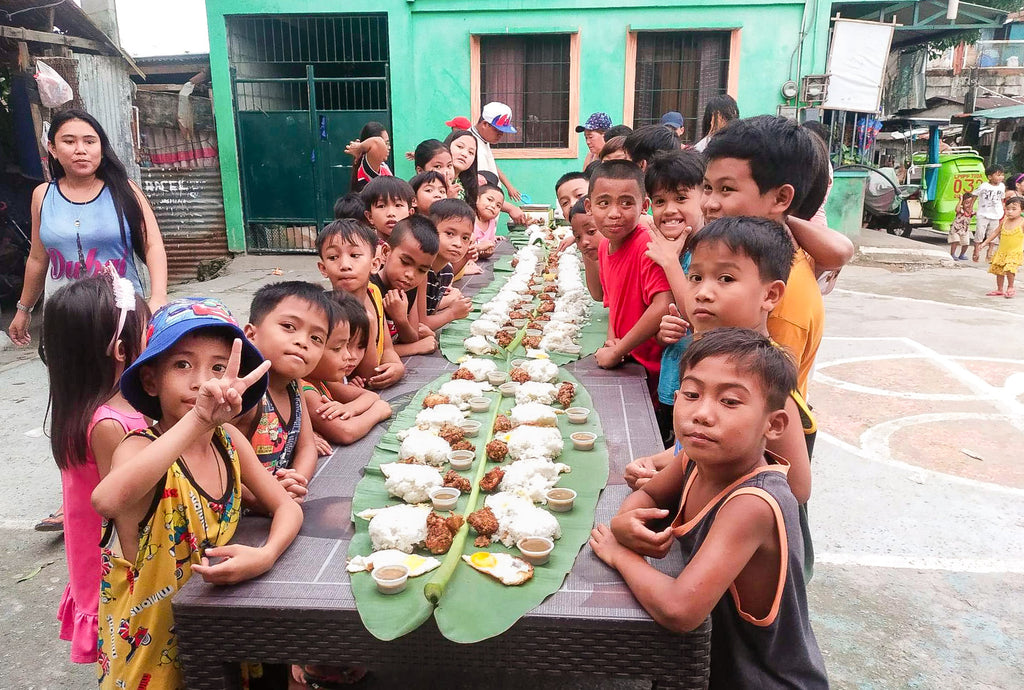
{"x": 174, "y": 490}
{"x": 1010, "y": 254}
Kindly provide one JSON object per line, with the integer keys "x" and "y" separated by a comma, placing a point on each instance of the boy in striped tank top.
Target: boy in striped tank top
{"x": 735, "y": 517}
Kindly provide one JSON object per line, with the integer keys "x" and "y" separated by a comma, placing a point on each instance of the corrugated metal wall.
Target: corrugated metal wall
{"x": 106, "y": 94}
{"x": 189, "y": 208}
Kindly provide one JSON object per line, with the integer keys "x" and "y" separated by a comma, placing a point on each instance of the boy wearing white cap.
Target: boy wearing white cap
{"x": 495, "y": 122}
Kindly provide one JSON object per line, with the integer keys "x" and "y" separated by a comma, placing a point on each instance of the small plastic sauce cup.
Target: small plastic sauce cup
{"x": 560, "y": 500}
{"x": 470, "y": 427}
{"x": 461, "y": 459}
{"x": 533, "y": 332}
{"x": 444, "y": 497}
{"x": 583, "y": 440}
{"x": 577, "y": 415}
{"x": 519, "y": 323}
{"x": 571, "y": 349}
{"x": 496, "y": 378}
{"x": 480, "y": 404}
{"x": 517, "y": 362}
{"x": 390, "y": 579}
{"x": 535, "y": 550}
{"x": 508, "y": 389}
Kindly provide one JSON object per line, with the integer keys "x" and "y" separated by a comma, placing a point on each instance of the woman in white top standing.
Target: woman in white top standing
{"x": 88, "y": 214}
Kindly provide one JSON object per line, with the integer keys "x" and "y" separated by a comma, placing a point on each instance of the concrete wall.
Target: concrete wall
{"x": 1007, "y": 81}
{"x": 430, "y": 63}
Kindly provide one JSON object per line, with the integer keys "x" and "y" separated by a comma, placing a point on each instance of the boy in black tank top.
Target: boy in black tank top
{"x": 736, "y": 520}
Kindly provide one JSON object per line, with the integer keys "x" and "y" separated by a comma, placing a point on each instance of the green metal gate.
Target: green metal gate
{"x": 293, "y": 128}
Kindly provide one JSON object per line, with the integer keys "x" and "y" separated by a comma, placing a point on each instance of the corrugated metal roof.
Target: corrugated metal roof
{"x": 67, "y": 16}
{"x": 923, "y": 21}
{"x": 1000, "y": 113}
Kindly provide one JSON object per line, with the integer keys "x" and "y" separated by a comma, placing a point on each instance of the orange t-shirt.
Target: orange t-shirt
{"x": 798, "y": 321}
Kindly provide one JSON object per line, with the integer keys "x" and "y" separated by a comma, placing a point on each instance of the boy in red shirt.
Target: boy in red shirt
{"x": 636, "y": 290}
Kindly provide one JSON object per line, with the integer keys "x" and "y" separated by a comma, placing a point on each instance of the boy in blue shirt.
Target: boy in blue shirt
{"x": 674, "y": 181}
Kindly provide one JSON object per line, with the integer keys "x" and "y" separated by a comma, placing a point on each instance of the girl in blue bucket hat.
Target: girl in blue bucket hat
{"x": 174, "y": 490}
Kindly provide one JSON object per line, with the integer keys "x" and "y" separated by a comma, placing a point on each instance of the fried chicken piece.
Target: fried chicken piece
{"x": 519, "y": 375}
{"x": 519, "y": 314}
{"x": 454, "y": 522}
{"x": 534, "y": 324}
{"x": 433, "y": 399}
{"x": 482, "y": 542}
{"x": 484, "y": 522}
{"x": 566, "y": 392}
{"x": 515, "y": 261}
{"x": 489, "y": 482}
{"x": 505, "y": 338}
{"x": 532, "y": 342}
{"x": 451, "y": 433}
{"x": 542, "y": 318}
{"x": 497, "y": 450}
{"x": 457, "y": 481}
{"x": 464, "y": 374}
{"x": 546, "y": 297}
{"x": 463, "y": 445}
{"x": 546, "y": 307}
{"x": 439, "y": 537}
{"x": 502, "y": 423}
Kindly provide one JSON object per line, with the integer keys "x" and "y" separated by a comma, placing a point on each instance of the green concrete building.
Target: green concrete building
{"x": 294, "y": 80}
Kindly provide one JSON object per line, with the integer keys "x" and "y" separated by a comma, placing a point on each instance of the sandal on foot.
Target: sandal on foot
{"x": 54, "y": 522}
{"x": 1010, "y": 293}
{"x": 994, "y": 293}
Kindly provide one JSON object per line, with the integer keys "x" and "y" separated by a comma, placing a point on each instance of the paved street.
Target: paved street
{"x": 918, "y": 482}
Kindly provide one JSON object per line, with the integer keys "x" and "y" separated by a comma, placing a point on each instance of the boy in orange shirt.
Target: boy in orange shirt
{"x": 771, "y": 167}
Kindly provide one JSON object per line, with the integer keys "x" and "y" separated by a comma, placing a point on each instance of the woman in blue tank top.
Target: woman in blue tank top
{"x": 88, "y": 214}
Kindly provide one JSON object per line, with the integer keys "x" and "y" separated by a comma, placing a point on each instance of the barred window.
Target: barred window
{"x": 680, "y": 71}
{"x": 532, "y": 75}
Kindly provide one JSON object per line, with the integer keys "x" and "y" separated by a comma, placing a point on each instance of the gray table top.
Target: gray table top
{"x": 311, "y": 577}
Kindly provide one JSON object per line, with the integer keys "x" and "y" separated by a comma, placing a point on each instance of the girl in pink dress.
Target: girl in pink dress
{"x": 92, "y": 330}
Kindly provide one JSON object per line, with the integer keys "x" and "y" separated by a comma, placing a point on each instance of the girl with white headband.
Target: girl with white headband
{"x": 93, "y": 329}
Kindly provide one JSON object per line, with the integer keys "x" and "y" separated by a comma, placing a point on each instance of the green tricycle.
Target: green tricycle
{"x": 959, "y": 169}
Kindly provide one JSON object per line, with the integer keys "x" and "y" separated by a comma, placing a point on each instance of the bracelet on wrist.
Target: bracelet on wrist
{"x": 21, "y": 307}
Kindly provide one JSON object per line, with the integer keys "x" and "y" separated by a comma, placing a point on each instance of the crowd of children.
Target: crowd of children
{"x": 172, "y": 427}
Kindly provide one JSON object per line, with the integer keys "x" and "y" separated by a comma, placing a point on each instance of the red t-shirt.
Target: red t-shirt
{"x": 630, "y": 281}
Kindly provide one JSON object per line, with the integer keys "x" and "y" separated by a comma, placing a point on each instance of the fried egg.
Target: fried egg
{"x": 416, "y": 564}
{"x": 506, "y": 569}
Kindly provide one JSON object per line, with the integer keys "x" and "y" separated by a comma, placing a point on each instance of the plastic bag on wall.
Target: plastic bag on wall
{"x": 53, "y": 90}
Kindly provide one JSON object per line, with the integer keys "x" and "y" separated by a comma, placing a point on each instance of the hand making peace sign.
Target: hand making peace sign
{"x": 220, "y": 400}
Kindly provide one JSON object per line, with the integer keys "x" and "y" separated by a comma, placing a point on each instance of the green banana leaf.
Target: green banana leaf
{"x": 470, "y": 605}
{"x": 592, "y": 335}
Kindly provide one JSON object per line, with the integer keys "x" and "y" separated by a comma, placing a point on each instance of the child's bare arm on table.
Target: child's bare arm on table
{"x": 390, "y": 370}
{"x": 641, "y": 470}
{"x": 644, "y": 329}
{"x": 351, "y": 428}
{"x": 742, "y": 526}
{"x": 457, "y": 308}
{"x": 239, "y": 562}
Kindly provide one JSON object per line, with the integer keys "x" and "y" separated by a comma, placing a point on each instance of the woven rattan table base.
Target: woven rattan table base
{"x": 552, "y": 647}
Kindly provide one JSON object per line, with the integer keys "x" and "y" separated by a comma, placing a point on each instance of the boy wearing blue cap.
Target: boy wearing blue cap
{"x": 173, "y": 494}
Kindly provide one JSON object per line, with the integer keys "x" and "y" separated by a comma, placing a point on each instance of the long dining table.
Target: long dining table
{"x": 303, "y": 610}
